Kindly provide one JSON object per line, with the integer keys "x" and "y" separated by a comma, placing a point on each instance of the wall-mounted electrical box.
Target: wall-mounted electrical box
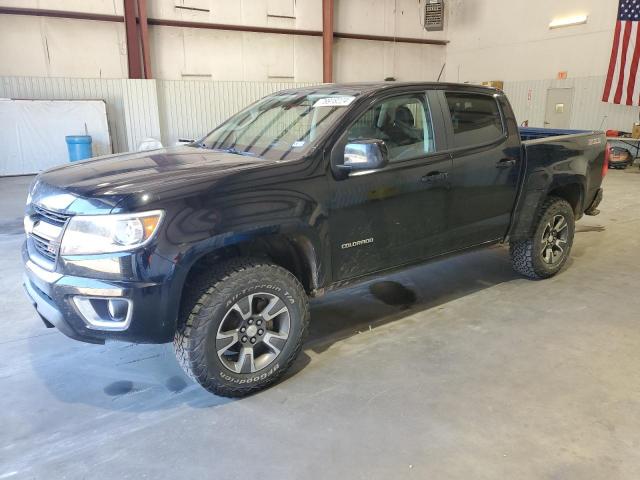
{"x": 434, "y": 16}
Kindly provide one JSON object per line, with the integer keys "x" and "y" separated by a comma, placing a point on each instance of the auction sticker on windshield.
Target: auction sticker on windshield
{"x": 342, "y": 101}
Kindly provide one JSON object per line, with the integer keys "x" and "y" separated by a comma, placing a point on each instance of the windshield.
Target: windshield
{"x": 280, "y": 127}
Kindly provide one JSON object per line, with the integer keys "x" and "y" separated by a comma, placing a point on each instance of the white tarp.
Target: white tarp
{"x": 32, "y": 132}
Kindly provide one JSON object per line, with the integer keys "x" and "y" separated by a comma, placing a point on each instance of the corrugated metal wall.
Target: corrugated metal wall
{"x": 529, "y": 99}
{"x": 191, "y": 108}
{"x": 172, "y": 109}
{"x": 141, "y": 115}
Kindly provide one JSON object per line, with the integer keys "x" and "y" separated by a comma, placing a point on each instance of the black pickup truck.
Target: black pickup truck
{"x": 218, "y": 245}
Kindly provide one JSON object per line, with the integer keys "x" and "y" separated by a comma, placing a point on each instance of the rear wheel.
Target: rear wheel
{"x": 544, "y": 253}
{"x": 244, "y": 329}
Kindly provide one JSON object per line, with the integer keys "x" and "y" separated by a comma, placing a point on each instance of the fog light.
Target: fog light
{"x": 100, "y": 313}
{"x": 118, "y": 308}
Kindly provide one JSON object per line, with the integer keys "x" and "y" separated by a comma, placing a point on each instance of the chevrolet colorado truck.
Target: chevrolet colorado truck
{"x": 217, "y": 245}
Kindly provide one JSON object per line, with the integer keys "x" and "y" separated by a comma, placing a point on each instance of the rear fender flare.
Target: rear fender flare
{"x": 539, "y": 186}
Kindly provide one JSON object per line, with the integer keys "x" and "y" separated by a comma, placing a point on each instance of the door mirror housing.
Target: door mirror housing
{"x": 365, "y": 155}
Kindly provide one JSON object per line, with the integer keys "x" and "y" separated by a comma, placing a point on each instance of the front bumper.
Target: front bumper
{"x": 152, "y": 317}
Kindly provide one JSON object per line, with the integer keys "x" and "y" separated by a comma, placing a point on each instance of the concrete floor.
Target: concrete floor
{"x": 457, "y": 370}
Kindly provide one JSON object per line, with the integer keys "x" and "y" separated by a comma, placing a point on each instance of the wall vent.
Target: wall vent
{"x": 434, "y": 16}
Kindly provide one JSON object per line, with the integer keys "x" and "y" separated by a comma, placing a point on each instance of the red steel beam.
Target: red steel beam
{"x": 40, "y": 12}
{"x": 384, "y": 38}
{"x": 164, "y": 22}
{"x": 212, "y": 26}
{"x": 133, "y": 46}
{"x": 327, "y": 41}
{"x": 144, "y": 38}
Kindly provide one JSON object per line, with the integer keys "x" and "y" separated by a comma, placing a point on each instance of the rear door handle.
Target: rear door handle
{"x": 434, "y": 177}
{"x": 506, "y": 163}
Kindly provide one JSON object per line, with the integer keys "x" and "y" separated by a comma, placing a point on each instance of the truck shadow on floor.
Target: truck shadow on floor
{"x": 361, "y": 308}
{"x": 589, "y": 228}
{"x": 115, "y": 376}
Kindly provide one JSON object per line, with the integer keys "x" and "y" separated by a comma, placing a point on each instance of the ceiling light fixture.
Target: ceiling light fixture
{"x": 569, "y": 21}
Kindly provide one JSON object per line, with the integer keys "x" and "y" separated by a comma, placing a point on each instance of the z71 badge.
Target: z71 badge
{"x": 357, "y": 243}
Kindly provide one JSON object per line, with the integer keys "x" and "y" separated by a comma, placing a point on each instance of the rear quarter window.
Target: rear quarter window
{"x": 476, "y": 119}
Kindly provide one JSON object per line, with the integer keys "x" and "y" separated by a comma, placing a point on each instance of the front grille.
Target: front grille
{"x": 52, "y": 217}
{"x": 44, "y": 247}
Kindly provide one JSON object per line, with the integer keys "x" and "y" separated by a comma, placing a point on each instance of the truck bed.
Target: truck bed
{"x": 578, "y": 152}
{"x": 536, "y": 133}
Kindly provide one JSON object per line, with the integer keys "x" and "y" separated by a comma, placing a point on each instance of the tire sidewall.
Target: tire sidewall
{"x": 561, "y": 207}
{"x": 205, "y": 362}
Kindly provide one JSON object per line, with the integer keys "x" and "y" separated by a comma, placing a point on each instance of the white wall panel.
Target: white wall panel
{"x": 30, "y": 57}
{"x": 32, "y": 132}
{"x": 528, "y": 99}
{"x": 308, "y": 13}
{"x": 510, "y": 40}
{"x": 60, "y": 47}
{"x": 73, "y": 52}
{"x": 42, "y": 88}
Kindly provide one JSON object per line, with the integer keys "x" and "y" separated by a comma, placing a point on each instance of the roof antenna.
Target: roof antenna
{"x": 441, "y": 71}
{"x": 604, "y": 119}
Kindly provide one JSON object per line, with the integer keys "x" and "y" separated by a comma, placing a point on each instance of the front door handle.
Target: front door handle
{"x": 435, "y": 177}
{"x": 506, "y": 163}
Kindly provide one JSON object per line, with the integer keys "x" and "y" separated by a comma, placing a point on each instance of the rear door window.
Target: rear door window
{"x": 476, "y": 119}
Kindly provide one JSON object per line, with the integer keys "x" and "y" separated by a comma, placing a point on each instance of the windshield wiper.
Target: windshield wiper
{"x": 235, "y": 151}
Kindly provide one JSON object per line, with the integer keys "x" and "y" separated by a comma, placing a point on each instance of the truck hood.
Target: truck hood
{"x": 103, "y": 182}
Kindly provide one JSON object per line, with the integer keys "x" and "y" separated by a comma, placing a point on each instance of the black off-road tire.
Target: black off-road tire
{"x": 209, "y": 296}
{"x": 526, "y": 257}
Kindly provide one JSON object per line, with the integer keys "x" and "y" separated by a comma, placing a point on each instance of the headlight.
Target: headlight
{"x": 32, "y": 189}
{"x": 95, "y": 234}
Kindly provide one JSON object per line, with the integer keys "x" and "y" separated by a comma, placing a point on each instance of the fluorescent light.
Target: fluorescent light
{"x": 569, "y": 21}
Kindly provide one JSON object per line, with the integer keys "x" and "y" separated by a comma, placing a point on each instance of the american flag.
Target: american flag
{"x": 623, "y": 79}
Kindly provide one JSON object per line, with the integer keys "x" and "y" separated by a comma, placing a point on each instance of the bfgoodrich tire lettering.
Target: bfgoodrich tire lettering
{"x": 554, "y": 229}
{"x": 230, "y": 285}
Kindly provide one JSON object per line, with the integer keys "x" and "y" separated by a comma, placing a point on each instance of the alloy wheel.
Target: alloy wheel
{"x": 554, "y": 240}
{"x": 253, "y": 332}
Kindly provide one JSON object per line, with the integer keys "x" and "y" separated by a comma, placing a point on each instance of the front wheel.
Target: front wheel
{"x": 545, "y": 252}
{"x": 243, "y": 328}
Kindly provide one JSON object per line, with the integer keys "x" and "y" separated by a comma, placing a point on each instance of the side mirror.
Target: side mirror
{"x": 365, "y": 155}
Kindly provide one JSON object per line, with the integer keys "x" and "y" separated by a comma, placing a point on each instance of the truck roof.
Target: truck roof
{"x": 371, "y": 87}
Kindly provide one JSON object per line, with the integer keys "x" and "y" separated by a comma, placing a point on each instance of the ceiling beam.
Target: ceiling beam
{"x": 213, "y": 26}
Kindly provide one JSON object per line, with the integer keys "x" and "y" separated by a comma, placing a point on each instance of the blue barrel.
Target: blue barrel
{"x": 79, "y": 147}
